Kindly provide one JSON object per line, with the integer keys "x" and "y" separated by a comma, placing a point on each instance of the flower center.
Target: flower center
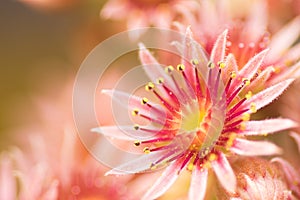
{"x": 193, "y": 120}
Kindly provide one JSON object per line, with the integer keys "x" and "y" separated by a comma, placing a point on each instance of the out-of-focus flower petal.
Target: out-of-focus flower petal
{"x": 224, "y": 173}
{"x": 296, "y": 136}
{"x": 7, "y": 180}
{"x": 114, "y": 9}
{"x": 198, "y": 184}
{"x": 283, "y": 39}
{"x": 254, "y": 148}
{"x": 268, "y": 126}
{"x": 164, "y": 182}
{"x": 291, "y": 174}
{"x": 115, "y": 132}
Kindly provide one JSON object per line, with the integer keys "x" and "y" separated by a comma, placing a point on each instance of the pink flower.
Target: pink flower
{"x": 259, "y": 179}
{"x": 7, "y": 180}
{"x": 247, "y": 36}
{"x": 144, "y": 13}
{"x": 198, "y": 124}
{"x": 292, "y": 174}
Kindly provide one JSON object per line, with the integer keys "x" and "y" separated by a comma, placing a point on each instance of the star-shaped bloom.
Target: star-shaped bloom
{"x": 249, "y": 35}
{"x": 201, "y": 118}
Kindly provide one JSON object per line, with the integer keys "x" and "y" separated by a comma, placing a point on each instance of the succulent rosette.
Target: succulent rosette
{"x": 201, "y": 118}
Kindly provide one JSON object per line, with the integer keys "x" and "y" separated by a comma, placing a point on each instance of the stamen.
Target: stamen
{"x": 149, "y": 86}
{"x": 195, "y": 61}
{"x": 144, "y": 101}
{"x": 180, "y": 67}
{"x": 137, "y": 143}
{"x": 136, "y": 127}
{"x": 169, "y": 69}
{"x": 253, "y": 108}
{"x": 160, "y": 80}
{"x": 221, "y": 64}
{"x": 135, "y": 112}
{"x": 146, "y": 150}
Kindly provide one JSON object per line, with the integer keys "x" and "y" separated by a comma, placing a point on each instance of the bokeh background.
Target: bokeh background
{"x": 43, "y": 43}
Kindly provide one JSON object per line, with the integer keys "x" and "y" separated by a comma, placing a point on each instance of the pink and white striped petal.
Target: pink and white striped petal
{"x": 268, "y": 95}
{"x": 140, "y": 164}
{"x": 219, "y": 48}
{"x": 283, "y": 39}
{"x": 254, "y": 148}
{"x": 261, "y": 80}
{"x": 120, "y": 133}
{"x": 249, "y": 70}
{"x": 198, "y": 184}
{"x": 264, "y": 127}
{"x": 224, "y": 173}
{"x": 164, "y": 182}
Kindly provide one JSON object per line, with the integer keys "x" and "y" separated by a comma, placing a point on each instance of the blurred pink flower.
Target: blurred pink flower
{"x": 247, "y": 36}
{"x": 259, "y": 179}
{"x": 292, "y": 174}
{"x": 144, "y": 13}
{"x": 52, "y": 163}
{"x": 198, "y": 124}
{"x": 7, "y": 180}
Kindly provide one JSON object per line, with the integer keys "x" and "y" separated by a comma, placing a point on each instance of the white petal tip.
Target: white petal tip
{"x": 141, "y": 46}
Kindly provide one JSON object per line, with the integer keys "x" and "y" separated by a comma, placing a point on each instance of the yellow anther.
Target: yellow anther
{"x": 253, "y": 107}
{"x": 221, "y": 65}
{"x": 212, "y": 157}
{"x": 144, "y": 101}
{"x": 211, "y": 65}
{"x": 190, "y": 166}
{"x": 137, "y": 143}
{"x": 195, "y": 61}
{"x": 135, "y": 112}
{"x": 246, "y": 117}
{"x": 243, "y": 126}
{"x": 246, "y": 81}
{"x": 233, "y": 74}
{"x": 180, "y": 67}
{"x": 146, "y": 150}
{"x": 149, "y": 86}
{"x": 136, "y": 127}
{"x": 277, "y": 70}
{"x": 159, "y": 80}
{"x": 207, "y": 165}
{"x": 153, "y": 166}
{"x": 248, "y": 95}
{"x": 230, "y": 140}
{"x": 169, "y": 69}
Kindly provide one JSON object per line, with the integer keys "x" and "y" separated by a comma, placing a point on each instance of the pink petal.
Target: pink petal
{"x": 266, "y": 96}
{"x": 198, "y": 184}
{"x": 283, "y": 39}
{"x": 256, "y": 23}
{"x": 231, "y": 66}
{"x": 52, "y": 191}
{"x": 291, "y": 72}
{"x": 249, "y": 70}
{"x": 224, "y": 173}
{"x": 261, "y": 80}
{"x": 7, "y": 180}
{"x": 296, "y": 136}
{"x": 254, "y": 148}
{"x": 268, "y": 126}
{"x": 153, "y": 69}
{"x": 136, "y": 22}
{"x": 114, "y": 9}
{"x": 218, "y": 51}
{"x": 291, "y": 174}
{"x": 141, "y": 164}
{"x": 116, "y": 132}
{"x": 164, "y": 182}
